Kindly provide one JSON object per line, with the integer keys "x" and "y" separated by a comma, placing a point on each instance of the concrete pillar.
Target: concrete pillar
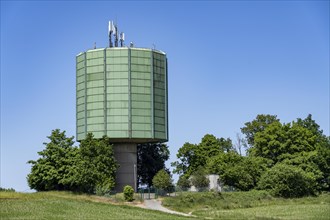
{"x": 126, "y": 156}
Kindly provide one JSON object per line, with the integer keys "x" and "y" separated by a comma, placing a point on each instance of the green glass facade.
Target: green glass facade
{"x": 122, "y": 93}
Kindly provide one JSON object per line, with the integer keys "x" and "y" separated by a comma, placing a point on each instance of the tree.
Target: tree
{"x": 90, "y": 168}
{"x": 96, "y": 167}
{"x": 51, "y": 171}
{"x": 199, "y": 179}
{"x": 240, "y": 143}
{"x": 162, "y": 180}
{"x": 151, "y": 159}
{"x": 300, "y": 143}
{"x": 279, "y": 141}
{"x": 243, "y": 173}
{"x": 287, "y": 181}
{"x": 191, "y": 156}
{"x": 188, "y": 159}
{"x": 183, "y": 182}
{"x": 310, "y": 124}
{"x": 257, "y": 125}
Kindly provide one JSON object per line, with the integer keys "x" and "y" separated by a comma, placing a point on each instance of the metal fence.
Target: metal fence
{"x": 154, "y": 193}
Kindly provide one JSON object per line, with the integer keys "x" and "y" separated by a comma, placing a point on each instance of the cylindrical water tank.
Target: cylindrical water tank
{"x": 122, "y": 93}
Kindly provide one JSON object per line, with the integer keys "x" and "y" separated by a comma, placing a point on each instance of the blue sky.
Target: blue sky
{"x": 228, "y": 62}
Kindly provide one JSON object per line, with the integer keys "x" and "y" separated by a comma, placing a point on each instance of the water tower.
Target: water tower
{"x": 122, "y": 92}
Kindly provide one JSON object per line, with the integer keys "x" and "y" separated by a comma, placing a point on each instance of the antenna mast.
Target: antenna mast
{"x": 116, "y": 36}
{"x": 122, "y": 39}
{"x": 111, "y": 30}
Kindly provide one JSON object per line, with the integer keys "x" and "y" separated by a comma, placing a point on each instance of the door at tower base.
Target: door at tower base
{"x": 126, "y": 156}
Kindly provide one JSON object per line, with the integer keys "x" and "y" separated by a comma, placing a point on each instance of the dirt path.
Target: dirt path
{"x": 157, "y": 205}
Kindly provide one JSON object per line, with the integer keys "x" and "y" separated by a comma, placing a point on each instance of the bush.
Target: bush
{"x": 287, "y": 181}
{"x": 128, "y": 193}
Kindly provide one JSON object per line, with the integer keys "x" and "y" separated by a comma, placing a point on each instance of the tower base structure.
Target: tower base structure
{"x": 126, "y": 156}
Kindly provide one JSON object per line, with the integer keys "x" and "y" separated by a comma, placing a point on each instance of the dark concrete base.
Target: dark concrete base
{"x": 126, "y": 156}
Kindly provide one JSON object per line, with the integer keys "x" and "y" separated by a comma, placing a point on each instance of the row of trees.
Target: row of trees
{"x": 289, "y": 159}
{"x": 91, "y": 167}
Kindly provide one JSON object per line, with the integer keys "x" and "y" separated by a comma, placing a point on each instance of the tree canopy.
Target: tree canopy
{"x": 151, "y": 159}
{"x": 162, "y": 180}
{"x": 191, "y": 156}
{"x": 257, "y": 125}
{"x": 62, "y": 166}
{"x": 296, "y": 151}
{"x": 52, "y": 170}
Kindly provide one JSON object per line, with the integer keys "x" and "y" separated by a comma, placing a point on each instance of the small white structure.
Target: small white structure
{"x": 214, "y": 182}
{"x": 213, "y": 185}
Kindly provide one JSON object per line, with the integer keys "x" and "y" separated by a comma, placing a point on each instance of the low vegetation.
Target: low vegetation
{"x": 249, "y": 205}
{"x": 128, "y": 193}
{"x": 67, "y": 205}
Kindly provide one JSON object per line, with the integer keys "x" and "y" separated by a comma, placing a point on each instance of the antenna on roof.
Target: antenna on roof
{"x": 112, "y": 29}
{"x": 116, "y": 35}
{"x": 122, "y": 39}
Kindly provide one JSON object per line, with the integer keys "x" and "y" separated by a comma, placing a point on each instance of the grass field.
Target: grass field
{"x": 65, "y": 205}
{"x": 207, "y": 205}
{"x": 249, "y": 205}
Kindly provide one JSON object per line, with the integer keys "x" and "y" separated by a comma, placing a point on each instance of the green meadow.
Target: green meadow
{"x": 203, "y": 205}
{"x": 249, "y": 205}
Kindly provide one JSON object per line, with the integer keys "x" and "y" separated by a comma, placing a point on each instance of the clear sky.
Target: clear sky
{"x": 228, "y": 62}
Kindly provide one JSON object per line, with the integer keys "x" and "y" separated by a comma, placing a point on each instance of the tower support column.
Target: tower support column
{"x": 126, "y": 156}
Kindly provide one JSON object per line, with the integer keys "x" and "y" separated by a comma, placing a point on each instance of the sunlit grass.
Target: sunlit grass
{"x": 66, "y": 205}
{"x": 250, "y": 205}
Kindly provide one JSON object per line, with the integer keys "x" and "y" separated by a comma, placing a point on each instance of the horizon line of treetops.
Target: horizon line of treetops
{"x": 286, "y": 159}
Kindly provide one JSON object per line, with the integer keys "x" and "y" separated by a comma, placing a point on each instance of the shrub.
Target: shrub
{"x": 128, "y": 193}
{"x": 287, "y": 181}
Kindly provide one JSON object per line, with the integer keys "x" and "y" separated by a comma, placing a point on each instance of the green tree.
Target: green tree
{"x": 162, "y": 180}
{"x": 287, "y": 181}
{"x": 322, "y": 160}
{"x": 300, "y": 143}
{"x": 183, "y": 182}
{"x": 199, "y": 179}
{"x": 278, "y": 141}
{"x": 90, "y": 168}
{"x": 311, "y": 125}
{"x": 52, "y": 170}
{"x": 257, "y": 125}
{"x": 191, "y": 156}
{"x": 151, "y": 159}
{"x": 96, "y": 167}
{"x": 243, "y": 173}
{"x": 187, "y": 159}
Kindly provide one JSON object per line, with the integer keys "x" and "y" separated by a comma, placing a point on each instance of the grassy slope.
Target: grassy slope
{"x": 64, "y": 205}
{"x": 250, "y": 205}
